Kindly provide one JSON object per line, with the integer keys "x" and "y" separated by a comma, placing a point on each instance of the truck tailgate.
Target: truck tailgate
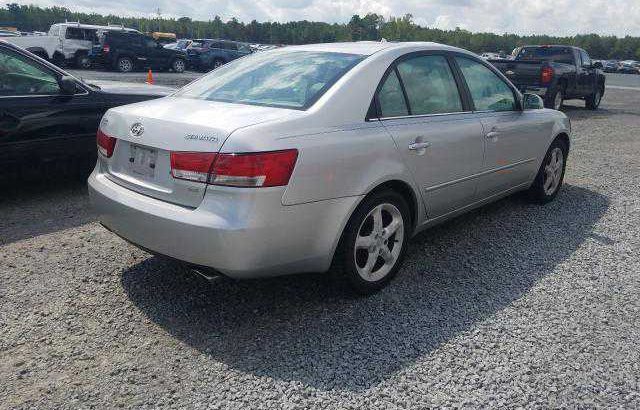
{"x": 521, "y": 73}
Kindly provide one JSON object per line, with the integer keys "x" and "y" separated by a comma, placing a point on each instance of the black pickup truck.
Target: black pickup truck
{"x": 555, "y": 73}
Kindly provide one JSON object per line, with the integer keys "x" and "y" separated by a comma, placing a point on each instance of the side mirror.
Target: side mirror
{"x": 532, "y": 102}
{"x": 67, "y": 85}
{"x": 159, "y": 45}
{"x": 597, "y": 64}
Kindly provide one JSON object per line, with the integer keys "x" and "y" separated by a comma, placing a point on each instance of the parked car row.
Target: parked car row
{"x": 125, "y": 49}
{"x": 622, "y": 67}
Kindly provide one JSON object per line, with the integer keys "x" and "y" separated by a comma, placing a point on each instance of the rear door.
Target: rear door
{"x": 511, "y": 136}
{"x": 421, "y": 106}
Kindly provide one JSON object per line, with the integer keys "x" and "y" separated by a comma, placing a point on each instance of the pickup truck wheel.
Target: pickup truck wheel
{"x": 178, "y": 65}
{"x": 554, "y": 100}
{"x": 124, "y": 65}
{"x": 551, "y": 173}
{"x": 592, "y": 102}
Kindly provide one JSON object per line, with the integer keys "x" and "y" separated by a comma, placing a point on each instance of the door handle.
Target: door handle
{"x": 416, "y": 146}
{"x": 492, "y": 134}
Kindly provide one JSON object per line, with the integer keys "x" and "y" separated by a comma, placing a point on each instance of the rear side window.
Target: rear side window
{"x": 488, "y": 91}
{"x": 430, "y": 86}
{"x": 391, "y": 97}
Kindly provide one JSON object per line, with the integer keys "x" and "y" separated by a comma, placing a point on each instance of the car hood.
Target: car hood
{"x": 118, "y": 87}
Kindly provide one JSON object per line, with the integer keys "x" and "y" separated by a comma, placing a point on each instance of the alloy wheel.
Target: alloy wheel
{"x": 124, "y": 65}
{"x": 178, "y": 66}
{"x": 379, "y": 242}
{"x": 553, "y": 171}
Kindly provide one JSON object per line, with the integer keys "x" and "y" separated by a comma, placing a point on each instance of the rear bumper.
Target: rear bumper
{"x": 241, "y": 233}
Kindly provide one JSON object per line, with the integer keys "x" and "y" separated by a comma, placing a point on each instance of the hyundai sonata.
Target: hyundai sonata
{"x": 322, "y": 156}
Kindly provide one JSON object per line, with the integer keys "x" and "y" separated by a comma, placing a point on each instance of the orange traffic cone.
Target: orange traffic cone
{"x": 149, "y": 77}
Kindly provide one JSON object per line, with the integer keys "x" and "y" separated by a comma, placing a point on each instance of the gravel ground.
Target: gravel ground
{"x": 512, "y": 305}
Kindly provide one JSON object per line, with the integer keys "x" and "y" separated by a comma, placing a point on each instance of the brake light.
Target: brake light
{"x": 546, "y": 75}
{"x": 192, "y": 166}
{"x": 106, "y": 143}
{"x": 106, "y": 48}
{"x": 252, "y": 170}
{"x": 262, "y": 169}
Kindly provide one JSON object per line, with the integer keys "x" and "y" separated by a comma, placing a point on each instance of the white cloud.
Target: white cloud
{"x": 559, "y": 17}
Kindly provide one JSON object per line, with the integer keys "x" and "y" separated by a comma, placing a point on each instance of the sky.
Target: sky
{"x": 553, "y": 17}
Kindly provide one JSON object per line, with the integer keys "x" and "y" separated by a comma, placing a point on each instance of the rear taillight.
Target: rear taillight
{"x": 192, "y": 166}
{"x": 260, "y": 169}
{"x": 106, "y": 143}
{"x": 105, "y": 48}
{"x": 546, "y": 75}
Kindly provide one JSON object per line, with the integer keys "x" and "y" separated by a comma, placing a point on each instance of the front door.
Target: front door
{"x": 421, "y": 107}
{"x": 37, "y": 123}
{"x": 511, "y": 136}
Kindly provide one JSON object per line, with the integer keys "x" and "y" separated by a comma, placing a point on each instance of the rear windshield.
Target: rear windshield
{"x": 555, "y": 54}
{"x": 279, "y": 78}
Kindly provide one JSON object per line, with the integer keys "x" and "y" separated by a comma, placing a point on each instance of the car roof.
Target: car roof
{"x": 371, "y": 47}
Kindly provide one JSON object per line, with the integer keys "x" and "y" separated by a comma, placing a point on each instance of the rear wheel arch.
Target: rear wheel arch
{"x": 398, "y": 186}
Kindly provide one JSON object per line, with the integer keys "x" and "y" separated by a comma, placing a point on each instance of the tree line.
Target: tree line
{"x": 370, "y": 27}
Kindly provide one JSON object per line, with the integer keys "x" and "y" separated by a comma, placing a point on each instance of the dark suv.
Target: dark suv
{"x": 207, "y": 54}
{"x": 127, "y": 51}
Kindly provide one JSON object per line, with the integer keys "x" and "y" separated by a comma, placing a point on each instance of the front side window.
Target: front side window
{"x": 430, "y": 86}
{"x": 391, "y": 97}
{"x": 586, "y": 61}
{"x": 488, "y": 91}
{"x": 19, "y": 77}
{"x": 281, "y": 78}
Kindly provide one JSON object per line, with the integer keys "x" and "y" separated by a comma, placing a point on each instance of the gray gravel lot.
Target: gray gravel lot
{"x": 512, "y": 305}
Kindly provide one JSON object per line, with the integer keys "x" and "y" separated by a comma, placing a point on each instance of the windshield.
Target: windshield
{"x": 555, "y": 54}
{"x": 280, "y": 78}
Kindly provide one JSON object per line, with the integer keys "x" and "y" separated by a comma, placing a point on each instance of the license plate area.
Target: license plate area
{"x": 142, "y": 161}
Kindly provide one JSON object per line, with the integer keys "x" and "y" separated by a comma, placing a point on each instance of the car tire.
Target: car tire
{"x": 178, "y": 65}
{"x": 555, "y": 99}
{"x": 370, "y": 254}
{"x": 218, "y": 62}
{"x": 551, "y": 173}
{"x": 124, "y": 65}
{"x": 592, "y": 102}
{"x": 83, "y": 62}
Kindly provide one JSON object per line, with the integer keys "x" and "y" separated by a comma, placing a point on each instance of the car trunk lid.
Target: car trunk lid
{"x": 148, "y": 132}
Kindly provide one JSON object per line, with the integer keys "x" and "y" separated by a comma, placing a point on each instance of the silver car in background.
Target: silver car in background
{"x": 313, "y": 157}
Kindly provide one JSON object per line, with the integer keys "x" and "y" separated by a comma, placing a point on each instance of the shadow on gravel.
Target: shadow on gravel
{"x": 30, "y": 208}
{"x": 308, "y": 329}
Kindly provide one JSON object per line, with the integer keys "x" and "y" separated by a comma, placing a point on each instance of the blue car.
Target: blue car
{"x": 208, "y": 54}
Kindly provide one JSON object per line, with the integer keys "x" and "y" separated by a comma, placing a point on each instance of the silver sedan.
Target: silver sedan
{"x": 318, "y": 157}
